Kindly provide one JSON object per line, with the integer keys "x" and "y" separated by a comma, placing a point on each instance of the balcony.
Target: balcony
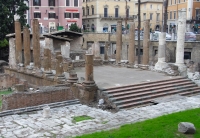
{"x": 114, "y": 17}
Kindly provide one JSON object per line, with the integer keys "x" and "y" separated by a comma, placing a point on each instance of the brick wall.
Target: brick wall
{"x": 45, "y": 95}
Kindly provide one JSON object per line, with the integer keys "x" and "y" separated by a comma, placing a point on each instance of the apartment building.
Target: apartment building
{"x": 192, "y": 9}
{"x": 102, "y": 15}
{"x": 151, "y": 9}
{"x": 55, "y": 14}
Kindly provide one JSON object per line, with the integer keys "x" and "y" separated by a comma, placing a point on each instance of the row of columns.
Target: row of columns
{"x": 131, "y": 48}
{"x": 26, "y": 43}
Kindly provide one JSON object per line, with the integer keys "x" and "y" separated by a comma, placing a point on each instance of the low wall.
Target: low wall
{"x": 45, "y": 95}
{"x": 81, "y": 63}
{"x": 31, "y": 78}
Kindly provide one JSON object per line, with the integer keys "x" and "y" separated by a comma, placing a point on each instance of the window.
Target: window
{"x": 171, "y": 2}
{"x": 75, "y": 15}
{"x": 52, "y": 15}
{"x": 179, "y": 1}
{"x": 36, "y": 2}
{"x": 197, "y": 14}
{"x": 144, "y": 16}
{"x": 151, "y": 6}
{"x": 127, "y": 12}
{"x": 92, "y": 10}
{"x": 67, "y": 2}
{"x": 158, "y": 7}
{"x": 75, "y": 3}
{"x": 101, "y": 49}
{"x": 174, "y": 1}
{"x": 158, "y": 17}
{"x": 51, "y": 2}
{"x": 37, "y": 15}
{"x": 88, "y": 11}
{"x": 151, "y": 16}
{"x": 116, "y": 12}
{"x": 84, "y": 12}
{"x": 170, "y": 15}
{"x": 105, "y": 12}
{"x": 144, "y": 6}
{"x": 67, "y": 15}
{"x": 174, "y": 15}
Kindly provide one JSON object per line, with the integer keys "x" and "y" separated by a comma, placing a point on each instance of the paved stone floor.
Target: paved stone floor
{"x": 110, "y": 76}
{"x": 60, "y": 125}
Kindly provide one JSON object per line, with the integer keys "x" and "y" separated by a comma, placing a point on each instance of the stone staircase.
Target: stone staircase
{"x": 142, "y": 94}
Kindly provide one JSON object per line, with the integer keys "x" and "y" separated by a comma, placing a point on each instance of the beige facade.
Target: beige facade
{"x": 151, "y": 9}
{"x": 102, "y": 15}
{"x": 192, "y": 12}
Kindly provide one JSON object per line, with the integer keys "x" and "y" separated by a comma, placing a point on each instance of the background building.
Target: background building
{"x": 151, "y": 9}
{"x": 193, "y": 14}
{"x": 102, "y": 15}
{"x": 56, "y": 14}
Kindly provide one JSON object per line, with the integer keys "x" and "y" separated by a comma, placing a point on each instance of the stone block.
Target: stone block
{"x": 19, "y": 87}
{"x": 186, "y": 128}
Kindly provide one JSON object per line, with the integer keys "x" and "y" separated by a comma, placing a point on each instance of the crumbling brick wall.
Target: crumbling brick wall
{"x": 7, "y": 81}
{"x": 45, "y": 95}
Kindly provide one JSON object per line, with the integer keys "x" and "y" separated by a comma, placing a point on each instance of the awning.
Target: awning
{"x": 72, "y": 10}
{"x": 71, "y": 20}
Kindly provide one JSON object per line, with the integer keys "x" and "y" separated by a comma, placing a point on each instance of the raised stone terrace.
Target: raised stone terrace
{"x": 111, "y": 76}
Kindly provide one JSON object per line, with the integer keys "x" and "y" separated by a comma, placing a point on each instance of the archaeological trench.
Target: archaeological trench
{"x": 41, "y": 69}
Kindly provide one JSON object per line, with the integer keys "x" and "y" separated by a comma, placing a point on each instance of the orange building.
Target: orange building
{"x": 192, "y": 11}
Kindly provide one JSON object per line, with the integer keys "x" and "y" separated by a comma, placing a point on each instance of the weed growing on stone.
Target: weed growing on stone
{"x": 162, "y": 127}
{"x": 104, "y": 122}
{"x": 4, "y": 93}
{"x": 81, "y": 118}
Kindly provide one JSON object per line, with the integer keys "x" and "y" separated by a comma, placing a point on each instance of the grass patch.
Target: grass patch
{"x": 4, "y": 93}
{"x": 162, "y": 127}
{"x": 81, "y": 118}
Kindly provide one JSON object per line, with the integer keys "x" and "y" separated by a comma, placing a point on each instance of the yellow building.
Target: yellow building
{"x": 102, "y": 15}
{"x": 151, "y": 9}
{"x": 192, "y": 9}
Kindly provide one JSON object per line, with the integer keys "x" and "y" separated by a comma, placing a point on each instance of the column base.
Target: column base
{"x": 144, "y": 67}
{"x": 160, "y": 66}
{"x": 182, "y": 68}
{"x": 86, "y": 94}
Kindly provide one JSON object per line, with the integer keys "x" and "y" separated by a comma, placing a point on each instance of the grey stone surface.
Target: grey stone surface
{"x": 59, "y": 124}
{"x": 105, "y": 78}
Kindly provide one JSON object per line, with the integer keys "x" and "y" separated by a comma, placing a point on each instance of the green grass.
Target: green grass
{"x": 3, "y": 93}
{"x": 162, "y": 127}
{"x": 81, "y": 118}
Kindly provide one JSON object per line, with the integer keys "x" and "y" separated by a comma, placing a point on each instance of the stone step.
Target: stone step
{"x": 144, "y": 83}
{"x": 39, "y": 107}
{"x": 135, "y": 95}
{"x": 152, "y": 89}
{"x": 154, "y": 95}
{"x": 149, "y": 101}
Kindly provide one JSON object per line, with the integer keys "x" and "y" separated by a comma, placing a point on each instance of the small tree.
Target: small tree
{"x": 74, "y": 28}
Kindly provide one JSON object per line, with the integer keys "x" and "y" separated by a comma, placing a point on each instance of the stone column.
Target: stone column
{"x": 145, "y": 60}
{"x": 131, "y": 48}
{"x": 59, "y": 67}
{"x": 106, "y": 52}
{"x": 47, "y": 63}
{"x": 89, "y": 70}
{"x": 161, "y": 64}
{"x": 65, "y": 51}
{"x": 36, "y": 44}
{"x": 27, "y": 51}
{"x": 119, "y": 42}
{"x": 180, "y": 43}
{"x": 12, "y": 52}
{"x": 18, "y": 42}
{"x": 96, "y": 50}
